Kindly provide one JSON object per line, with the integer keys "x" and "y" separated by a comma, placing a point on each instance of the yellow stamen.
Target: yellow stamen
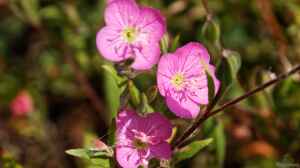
{"x": 139, "y": 144}
{"x": 177, "y": 80}
{"x": 129, "y": 34}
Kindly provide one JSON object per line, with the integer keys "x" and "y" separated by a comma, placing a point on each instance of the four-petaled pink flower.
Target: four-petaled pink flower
{"x": 131, "y": 32}
{"x": 22, "y": 104}
{"x": 141, "y": 138}
{"x": 182, "y": 79}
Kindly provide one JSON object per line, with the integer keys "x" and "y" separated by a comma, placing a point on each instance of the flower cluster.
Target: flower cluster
{"x": 134, "y": 32}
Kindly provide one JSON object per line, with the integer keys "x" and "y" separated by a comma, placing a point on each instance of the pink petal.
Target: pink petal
{"x": 157, "y": 126}
{"x": 182, "y": 107}
{"x": 161, "y": 151}
{"x": 147, "y": 57}
{"x": 151, "y": 22}
{"x": 121, "y": 13}
{"x": 111, "y": 46}
{"x": 197, "y": 89}
{"x": 128, "y": 157}
{"x": 126, "y": 120}
{"x": 212, "y": 72}
{"x": 110, "y": 1}
{"x": 194, "y": 48}
{"x": 165, "y": 73}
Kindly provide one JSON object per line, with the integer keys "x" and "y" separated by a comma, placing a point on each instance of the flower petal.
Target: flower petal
{"x": 212, "y": 72}
{"x": 194, "y": 49}
{"x": 165, "y": 73}
{"x": 128, "y": 157}
{"x": 198, "y": 90}
{"x": 157, "y": 126}
{"x": 162, "y": 150}
{"x": 151, "y": 23}
{"x": 121, "y": 13}
{"x": 182, "y": 107}
{"x": 146, "y": 57}
{"x": 111, "y": 46}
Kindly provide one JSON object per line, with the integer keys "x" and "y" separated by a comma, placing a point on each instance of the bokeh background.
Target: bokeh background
{"x": 48, "y": 53}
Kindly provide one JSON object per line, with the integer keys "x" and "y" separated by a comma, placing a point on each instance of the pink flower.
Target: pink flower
{"x": 141, "y": 138}
{"x": 182, "y": 80}
{"x": 22, "y": 104}
{"x": 131, "y": 32}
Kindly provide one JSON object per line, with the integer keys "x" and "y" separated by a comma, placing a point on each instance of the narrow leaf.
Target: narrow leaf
{"x": 211, "y": 87}
{"x": 134, "y": 94}
{"x": 80, "y": 152}
{"x": 164, "y": 43}
{"x": 175, "y": 43}
{"x": 112, "y": 91}
{"x": 220, "y": 141}
{"x": 191, "y": 150}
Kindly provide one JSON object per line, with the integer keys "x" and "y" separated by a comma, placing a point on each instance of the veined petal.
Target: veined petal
{"x": 194, "y": 49}
{"x": 157, "y": 126}
{"x": 121, "y": 13}
{"x": 111, "y": 46}
{"x": 198, "y": 89}
{"x": 128, "y": 157}
{"x": 182, "y": 106}
{"x": 146, "y": 56}
{"x": 152, "y": 23}
{"x": 162, "y": 150}
{"x": 165, "y": 73}
{"x": 212, "y": 72}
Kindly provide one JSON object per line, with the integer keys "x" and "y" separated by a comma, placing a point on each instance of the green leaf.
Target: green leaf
{"x": 99, "y": 163}
{"x": 227, "y": 70}
{"x": 111, "y": 70}
{"x": 211, "y": 32}
{"x": 211, "y": 87}
{"x": 152, "y": 93}
{"x": 234, "y": 61}
{"x": 80, "y": 152}
{"x": 113, "y": 92}
{"x": 164, "y": 43}
{"x": 134, "y": 94}
{"x": 145, "y": 107}
{"x": 191, "y": 150}
{"x": 88, "y": 153}
{"x": 175, "y": 43}
{"x": 220, "y": 141}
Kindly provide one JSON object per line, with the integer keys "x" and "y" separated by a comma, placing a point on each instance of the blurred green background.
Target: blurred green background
{"x": 47, "y": 47}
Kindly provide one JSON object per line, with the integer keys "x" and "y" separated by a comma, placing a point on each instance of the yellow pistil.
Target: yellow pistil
{"x": 129, "y": 34}
{"x": 139, "y": 144}
{"x": 177, "y": 80}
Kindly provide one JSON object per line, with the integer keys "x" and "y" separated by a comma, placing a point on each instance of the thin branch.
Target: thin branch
{"x": 208, "y": 114}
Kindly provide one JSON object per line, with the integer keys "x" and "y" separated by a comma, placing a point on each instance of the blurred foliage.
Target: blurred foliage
{"x": 38, "y": 38}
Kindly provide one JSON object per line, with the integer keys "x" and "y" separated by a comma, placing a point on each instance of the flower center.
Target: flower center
{"x": 139, "y": 144}
{"x": 177, "y": 80}
{"x": 129, "y": 34}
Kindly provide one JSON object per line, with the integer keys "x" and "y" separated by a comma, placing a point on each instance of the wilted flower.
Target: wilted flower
{"x": 182, "y": 79}
{"x": 131, "y": 32}
{"x": 22, "y": 104}
{"x": 141, "y": 138}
